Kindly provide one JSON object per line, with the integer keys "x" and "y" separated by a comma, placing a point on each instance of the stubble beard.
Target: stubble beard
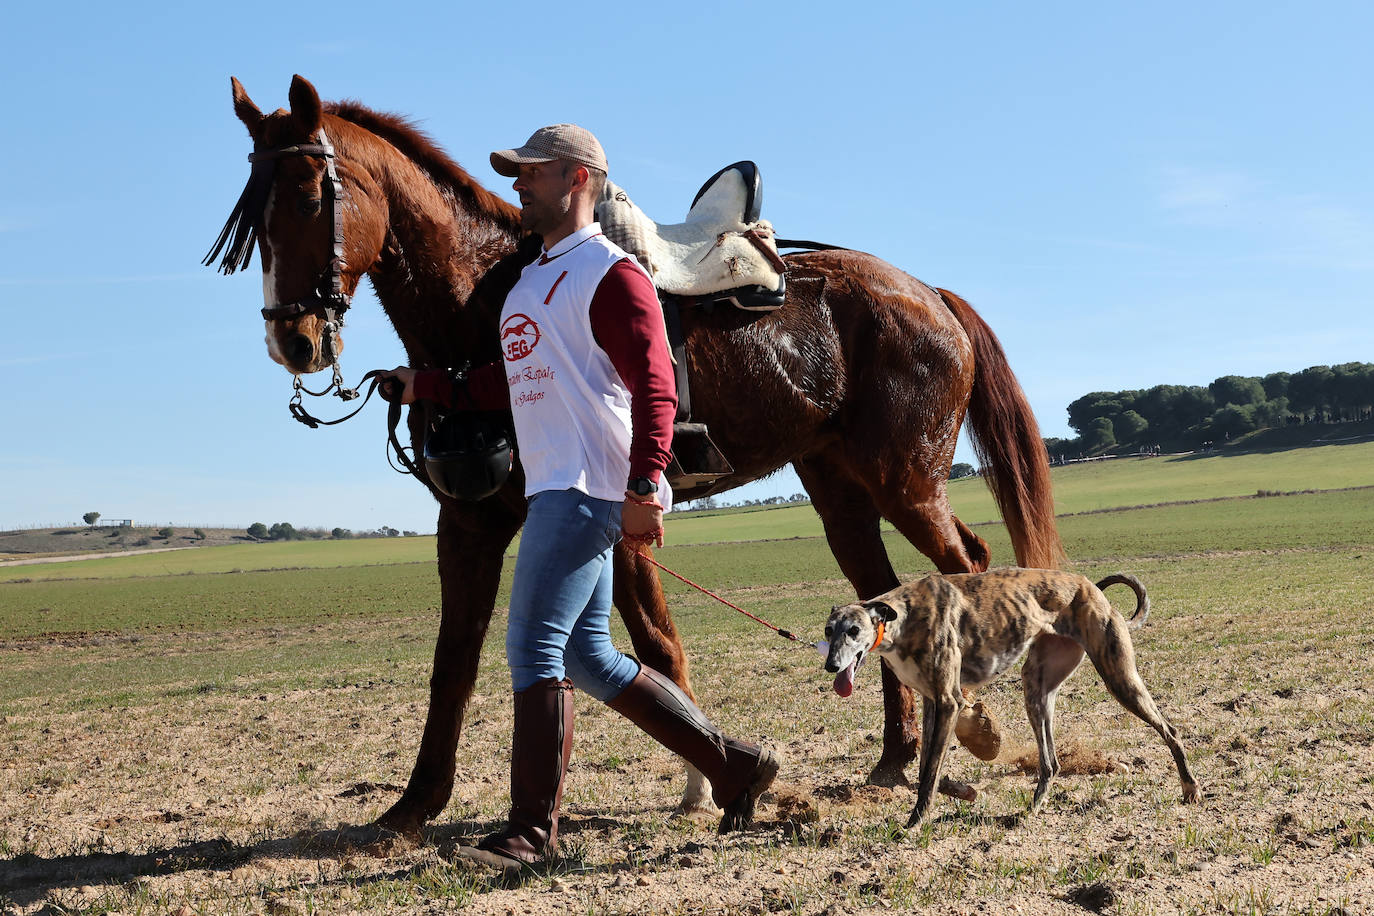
{"x": 542, "y": 217}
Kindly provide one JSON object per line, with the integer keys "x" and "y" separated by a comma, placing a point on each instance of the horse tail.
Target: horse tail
{"x": 1007, "y": 440}
{"x": 1142, "y": 600}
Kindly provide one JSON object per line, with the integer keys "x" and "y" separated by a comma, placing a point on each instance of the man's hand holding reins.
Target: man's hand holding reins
{"x": 401, "y": 379}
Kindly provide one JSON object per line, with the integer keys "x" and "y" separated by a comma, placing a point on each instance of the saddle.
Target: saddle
{"x": 722, "y": 252}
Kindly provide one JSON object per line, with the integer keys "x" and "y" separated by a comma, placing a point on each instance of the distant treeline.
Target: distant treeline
{"x": 1232, "y": 405}
{"x": 285, "y": 531}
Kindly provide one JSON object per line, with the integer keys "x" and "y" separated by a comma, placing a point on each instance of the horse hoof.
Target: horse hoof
{"x": 888, "y": 774}
{"x": 401, "y": 821}
{"x": 696, "y": 803}
{"x": 697, "y": 811}
{"x": 977, "y": 729}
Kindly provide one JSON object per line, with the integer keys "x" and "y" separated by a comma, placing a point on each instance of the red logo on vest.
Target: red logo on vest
{"x": 519, "y": 335}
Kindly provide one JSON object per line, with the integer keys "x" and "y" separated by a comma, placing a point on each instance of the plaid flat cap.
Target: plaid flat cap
{"x": 557, "y": 141}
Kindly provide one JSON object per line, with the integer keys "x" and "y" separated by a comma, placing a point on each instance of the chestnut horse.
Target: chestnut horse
{"x": 861, "y": 380}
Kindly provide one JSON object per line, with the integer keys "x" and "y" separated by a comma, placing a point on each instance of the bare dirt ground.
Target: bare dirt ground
{"x": 63, "y": 558}
{"x": 221, "y": 772}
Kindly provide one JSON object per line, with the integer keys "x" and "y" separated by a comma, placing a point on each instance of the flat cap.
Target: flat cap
{"x": 557, "y": 141}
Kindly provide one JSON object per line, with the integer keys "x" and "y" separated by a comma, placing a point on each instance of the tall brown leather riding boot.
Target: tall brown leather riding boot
{"x": 739, "y": 772}
{"x": 540, "y": 749}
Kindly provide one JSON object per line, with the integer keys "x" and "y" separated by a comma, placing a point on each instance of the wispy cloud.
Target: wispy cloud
{"x": 30, "y": 360}
{"x": 1300, "y": 228}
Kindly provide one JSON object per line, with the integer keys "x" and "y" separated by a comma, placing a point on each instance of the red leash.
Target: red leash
{"x": 785, "y": 634}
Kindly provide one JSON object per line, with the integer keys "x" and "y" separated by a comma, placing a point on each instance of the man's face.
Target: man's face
{"x": 545, "y": 190}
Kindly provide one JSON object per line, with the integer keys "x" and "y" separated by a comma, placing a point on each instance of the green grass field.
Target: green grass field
{"x": 189, "y": 727}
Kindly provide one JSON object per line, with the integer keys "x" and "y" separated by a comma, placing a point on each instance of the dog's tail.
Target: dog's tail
{"x": 1016, "y": 467}
{"x": 1142, "y": 600}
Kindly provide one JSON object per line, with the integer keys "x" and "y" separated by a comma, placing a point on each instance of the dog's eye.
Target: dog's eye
{"x": 853, "y": 632}
{"x": 828, "y": 629}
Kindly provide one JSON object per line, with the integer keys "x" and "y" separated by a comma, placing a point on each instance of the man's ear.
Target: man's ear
{"x": 885, "y": 611}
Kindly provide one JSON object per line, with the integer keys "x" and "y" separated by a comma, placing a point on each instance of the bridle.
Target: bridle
{"x": 327, "y": 298}
{"x": 236, "y": 240}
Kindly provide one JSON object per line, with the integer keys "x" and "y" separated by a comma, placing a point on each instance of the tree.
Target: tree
{"x": 166, "y": 533}
{"x": 283, "y": 531}
{"x": 1309, "y": 391}
{"x": 961, "y": 470}
{"x": 1190, "y": 406}
{"x": 1275, "y": 385}
{"x": 1099, "y": 434}
{"x": 340, "y": 534}
{"x": 1091, "y": 407}
{"x": 200, "y": 535}
{"x": 90, "y": 517}
{"x": 1352, "y": 389}
{"x": 257, "y": 531}
{"x": 1128, "y": 425}
{"x": 1232, "y": 420}
{"x": 1236, "y": 389}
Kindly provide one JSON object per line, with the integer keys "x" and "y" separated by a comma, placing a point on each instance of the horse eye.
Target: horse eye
{"x": 310, "y": 206}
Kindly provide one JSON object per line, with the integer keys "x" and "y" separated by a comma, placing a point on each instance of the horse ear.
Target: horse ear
{"x": 243, "y": 107}
{"x": 306, "y": 110}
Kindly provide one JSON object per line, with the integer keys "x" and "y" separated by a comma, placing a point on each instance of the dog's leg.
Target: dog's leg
{"x": 1109, "y": 646}
{"x": 1048, "y": 664}
{"x": 937, "y": 725}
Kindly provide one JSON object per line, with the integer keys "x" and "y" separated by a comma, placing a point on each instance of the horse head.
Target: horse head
{"x": 318, "y": 219}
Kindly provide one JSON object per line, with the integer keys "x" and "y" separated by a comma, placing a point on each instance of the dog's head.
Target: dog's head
{"x": 852, "y": 632}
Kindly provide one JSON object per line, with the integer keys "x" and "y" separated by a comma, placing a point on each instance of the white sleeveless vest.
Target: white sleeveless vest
{"x": 571, "y": 408}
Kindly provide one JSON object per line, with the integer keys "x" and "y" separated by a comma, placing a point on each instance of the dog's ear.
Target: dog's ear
{"x": 884, "y": 610}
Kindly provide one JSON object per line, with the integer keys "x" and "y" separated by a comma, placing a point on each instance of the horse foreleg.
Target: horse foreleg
{"x": 470, "y": 556}
{"x": 850, "y": 519}
{"x": 638, "y": 595}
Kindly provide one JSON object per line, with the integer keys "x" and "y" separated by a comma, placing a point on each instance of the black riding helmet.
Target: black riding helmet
{"x": 468, "y": 454}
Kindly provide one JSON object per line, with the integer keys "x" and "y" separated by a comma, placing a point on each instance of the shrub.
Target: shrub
{"x": 166, "y": 533}
{"x": 200, "y": 535}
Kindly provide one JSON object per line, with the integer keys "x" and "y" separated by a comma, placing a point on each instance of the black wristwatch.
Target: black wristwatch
{"x": 641, "y": 486}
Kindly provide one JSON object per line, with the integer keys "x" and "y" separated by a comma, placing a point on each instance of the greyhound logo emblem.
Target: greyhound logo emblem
{"x": 519, "y": 336}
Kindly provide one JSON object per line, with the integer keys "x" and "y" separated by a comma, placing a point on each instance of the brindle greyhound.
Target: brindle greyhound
{"x": 944, "y": 632}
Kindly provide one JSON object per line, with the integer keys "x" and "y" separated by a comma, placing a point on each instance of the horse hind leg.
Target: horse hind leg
{"x": 851, "y": 527}
{"x": 932, "y": 528}
{"x": 638, "y": 596}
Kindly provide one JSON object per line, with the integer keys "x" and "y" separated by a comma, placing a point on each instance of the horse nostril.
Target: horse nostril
{"x": 299, "y": 350}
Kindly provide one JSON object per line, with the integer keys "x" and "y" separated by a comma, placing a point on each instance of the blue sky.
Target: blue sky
{"x": 1129, "y": 194}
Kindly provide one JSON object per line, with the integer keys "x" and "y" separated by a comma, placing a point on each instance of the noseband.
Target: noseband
{"x": 241, "y": 232}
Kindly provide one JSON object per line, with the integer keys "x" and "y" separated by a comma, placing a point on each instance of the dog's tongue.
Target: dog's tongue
{"x": 844, "y": 681}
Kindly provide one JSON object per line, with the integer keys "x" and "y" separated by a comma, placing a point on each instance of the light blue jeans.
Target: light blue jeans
{"x": 560, "y": 601}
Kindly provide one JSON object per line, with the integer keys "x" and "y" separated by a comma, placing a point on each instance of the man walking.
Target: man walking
{"x": 592, "y": 393}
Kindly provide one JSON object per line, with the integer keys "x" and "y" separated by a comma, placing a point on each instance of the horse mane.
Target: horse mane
{"x": 421, "y": 149}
